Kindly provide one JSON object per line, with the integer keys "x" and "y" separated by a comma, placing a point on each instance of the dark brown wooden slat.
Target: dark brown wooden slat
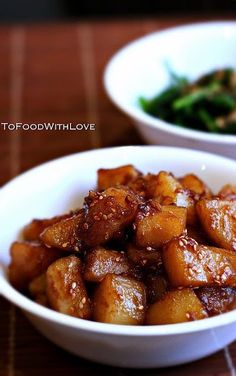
{"x": 4, "y": 73}
{"x": 116, "y": 128}
{"x": 4, "y": 331}
{"x": 53, "y": 92}
{"x": 232, "y": 352}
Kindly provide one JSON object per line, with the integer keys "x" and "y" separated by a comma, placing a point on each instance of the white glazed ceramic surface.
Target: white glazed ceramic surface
{"x": 60, "y": 185}
{"x": 139, "y": 70}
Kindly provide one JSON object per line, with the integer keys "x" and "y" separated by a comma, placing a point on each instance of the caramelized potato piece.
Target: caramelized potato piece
{"x": 116, "y": 176}
{"x": 106, "y": 214}
{"x": 190, "y": 264}
{"x": 32, "y": 231}
{"x": 217, "y": 300}
{"x": 195, "y": 184}
{"x": 28, "y": 261}
{"x": 139, "y": 185}
{"x": 228, "y": 192}
{"x": 144, "y": 257}
{"x": 65, "y": 288}
{"x": 63, "y": 234}
{"x": 101, "y": 262}
{"x": 176, "y": 306}
{"x": 120, "y": 300}
{"x": 156, "y": 287}
{"x": 162, "y": 185}
{"x": 38, "y": 285}
{"x": 156, "y": 225}
{"x": 37, "y": 289}
{"x": 218, "y": 218}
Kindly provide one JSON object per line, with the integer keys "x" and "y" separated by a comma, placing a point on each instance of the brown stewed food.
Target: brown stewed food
{"x": 143, "y": 250}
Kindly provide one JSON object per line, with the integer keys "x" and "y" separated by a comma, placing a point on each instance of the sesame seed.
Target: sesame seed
{"x": 83, "y": 300}
{"x": 118, "y": 259}
{"x": 187, "y": 315}
{"x": 181, "y": 243}
{"x": 81, "y": 305}
{"x": 64, "y": 245}
{"x": 74, "y": 284}
{"x": 141, "y": 307}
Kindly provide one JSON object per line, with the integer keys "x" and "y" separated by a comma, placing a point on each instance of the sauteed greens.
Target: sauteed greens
{"x": 208, "y": 104}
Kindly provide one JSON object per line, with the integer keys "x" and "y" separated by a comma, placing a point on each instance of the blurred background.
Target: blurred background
{"x": 28, "y": 10}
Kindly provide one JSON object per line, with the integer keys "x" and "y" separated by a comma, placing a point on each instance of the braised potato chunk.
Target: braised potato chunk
{"x": 28, "y": 261}
{"x": 37, "y": 289}
{"x": 156, "y": 225}
{"x": 217, "y": 300}
{"x": 194, "y": 184}
{"x": 38, "y": 285}
{"x": 63, "y": 234}
{"x": 65, "y": 288}
{"x": 144, "y": 257}
{"x": 101, "y": 262}
{"x": 139, "y": 185}
{"x": 33, "y": 230}
{"x": 120, "y": 300}
{"x": 106, "y": 214}
{"x": 116, "y": 176}
{"x": 218, "y": 218}
{"x": 190, "y": 264}
{"x": 228, "y": 192}
{"x": 175, "y": 307}
{"x": 162, "y": 186}
{"x": 156, "y": 287}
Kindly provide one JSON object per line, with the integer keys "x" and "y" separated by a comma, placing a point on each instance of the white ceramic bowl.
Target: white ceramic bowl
{"x": 139, "y": 70}
{"x": 59, "y": 185}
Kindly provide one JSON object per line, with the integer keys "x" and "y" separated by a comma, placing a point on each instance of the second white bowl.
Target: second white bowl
{"x": 139, "y": 70}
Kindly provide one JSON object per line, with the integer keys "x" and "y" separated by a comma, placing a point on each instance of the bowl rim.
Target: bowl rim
{"x": 11, "y": 294}
{"x": 138, "y": 114}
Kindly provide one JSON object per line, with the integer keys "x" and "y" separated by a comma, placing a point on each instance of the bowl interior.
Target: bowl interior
{"x": 139, "y": 69}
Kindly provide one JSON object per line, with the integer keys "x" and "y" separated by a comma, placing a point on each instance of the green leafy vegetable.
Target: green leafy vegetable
{"x": 208, "y": 104}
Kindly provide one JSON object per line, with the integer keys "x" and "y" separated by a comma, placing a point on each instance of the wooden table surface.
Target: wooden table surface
{"x": 53, "y": 73}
